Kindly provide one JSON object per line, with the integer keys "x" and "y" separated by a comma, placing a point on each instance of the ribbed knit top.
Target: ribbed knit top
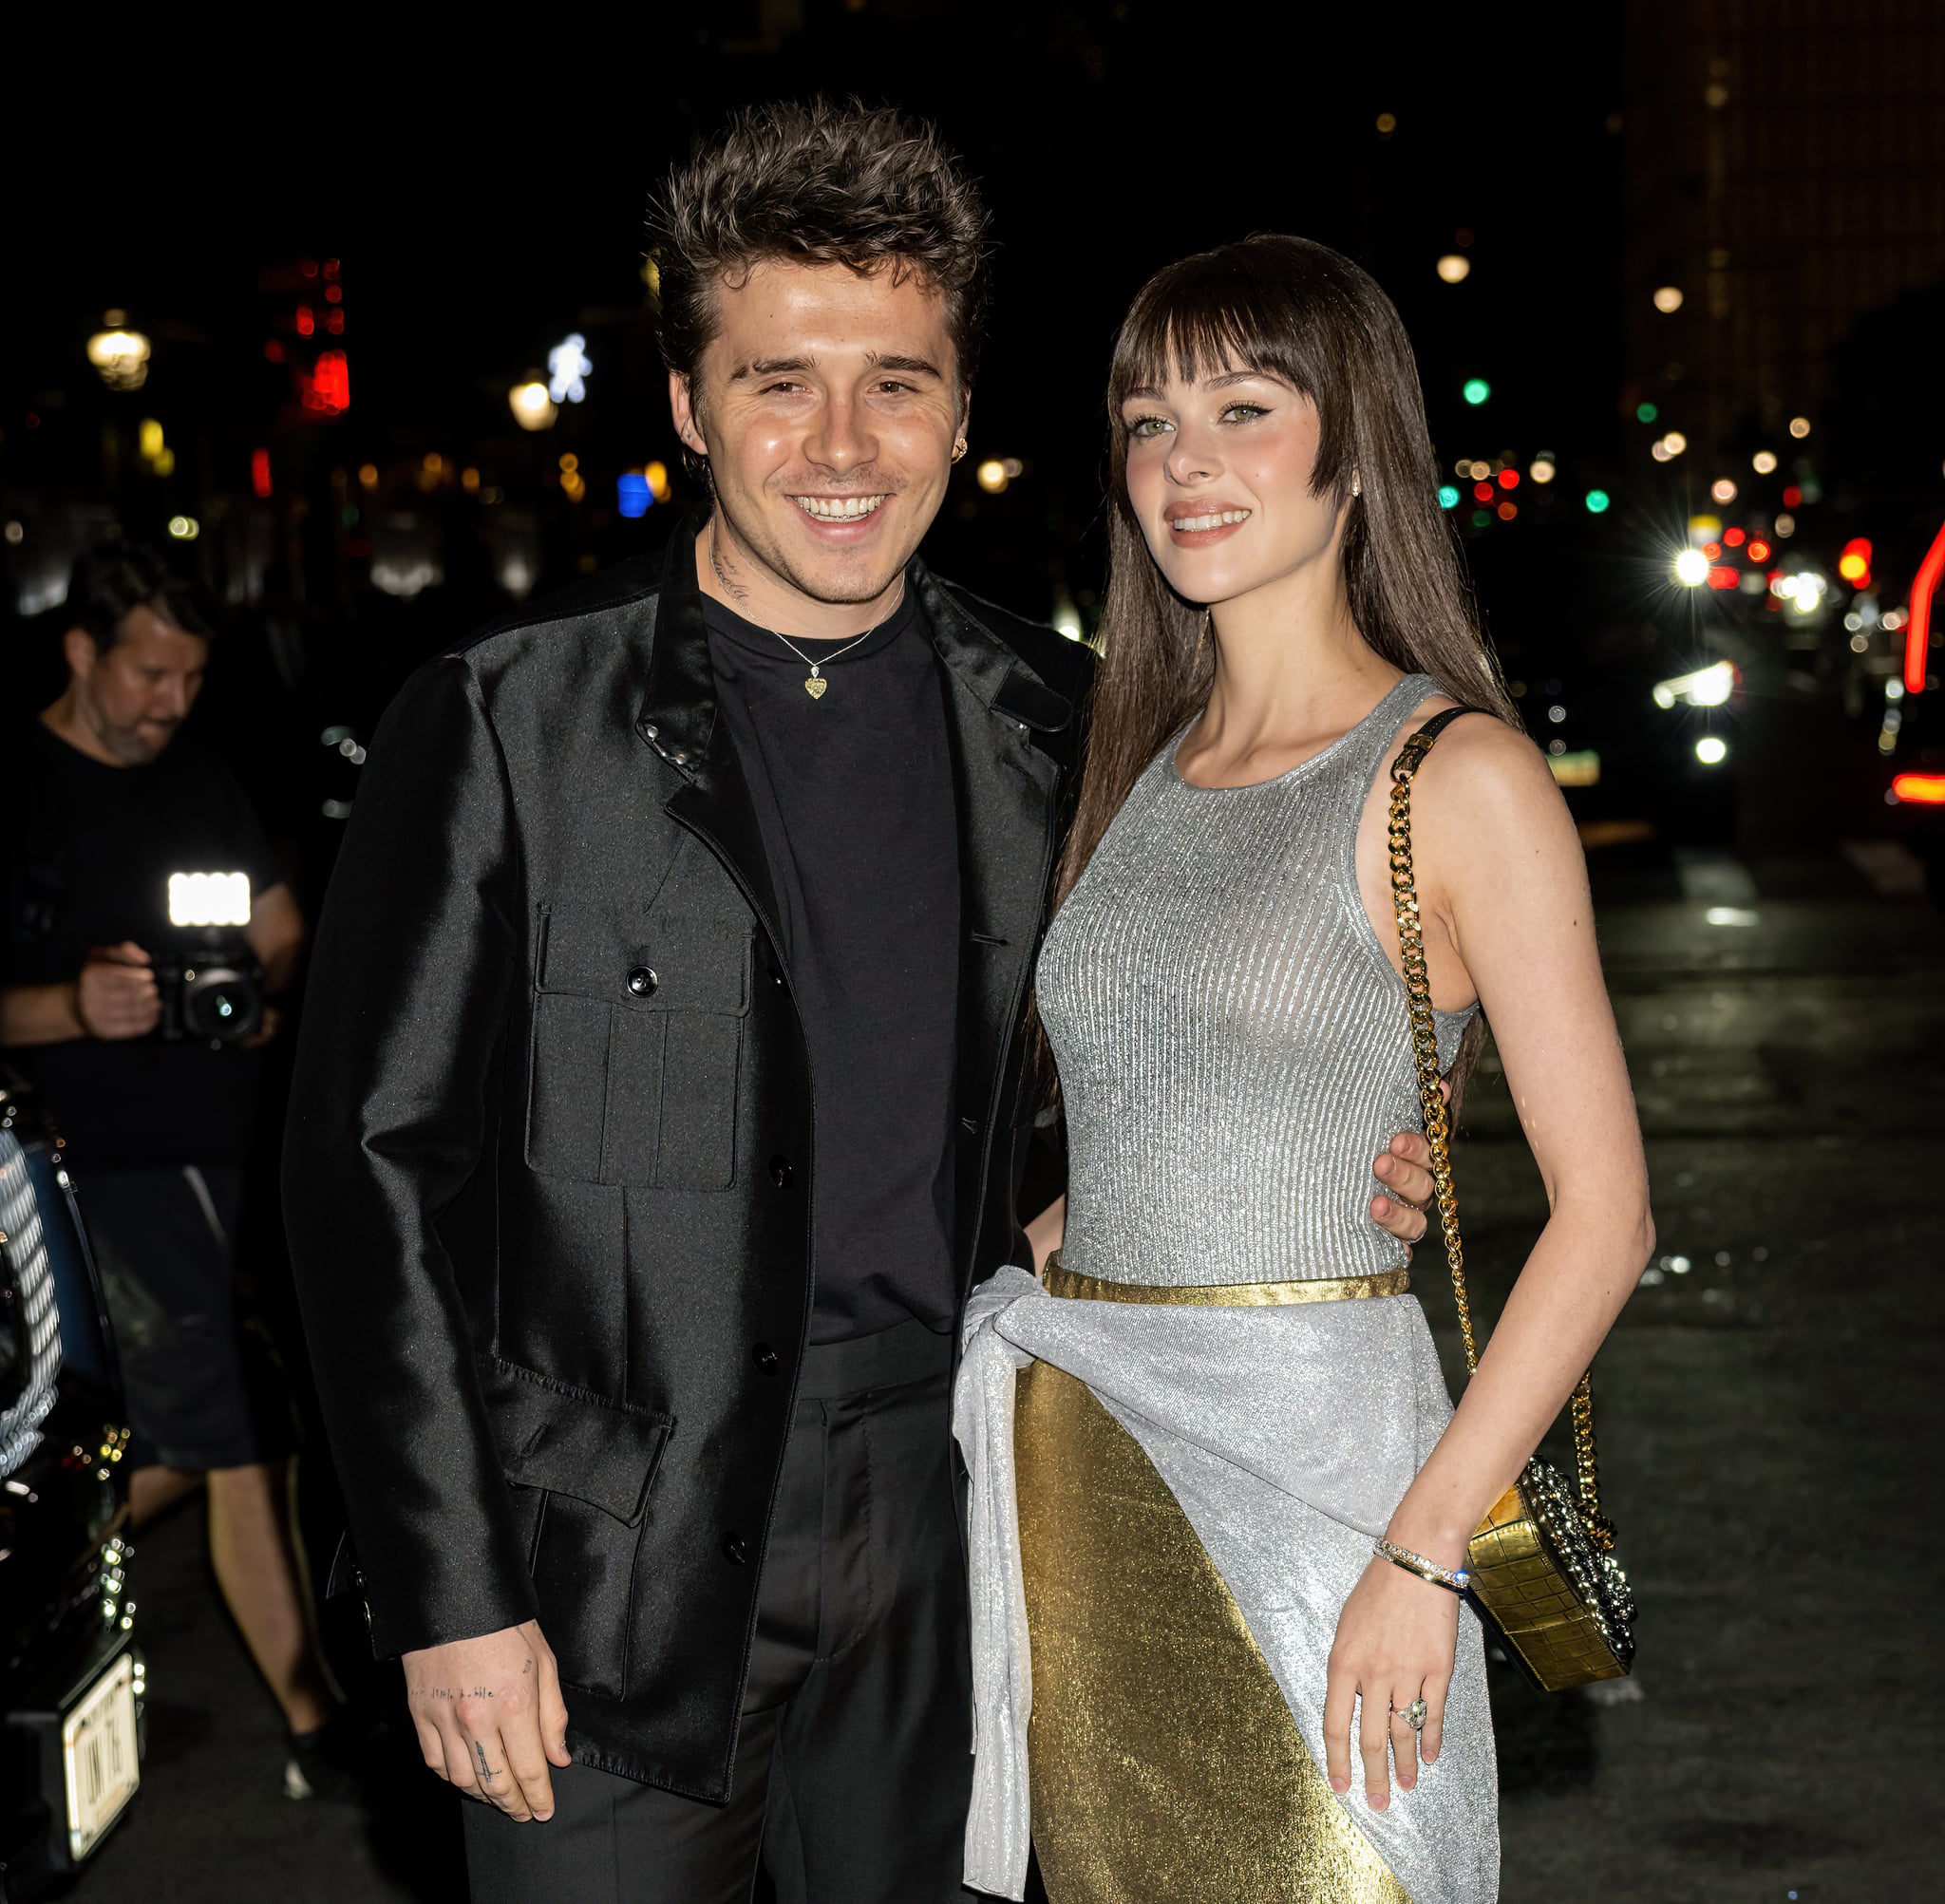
{"x": 1232, "y": 1037}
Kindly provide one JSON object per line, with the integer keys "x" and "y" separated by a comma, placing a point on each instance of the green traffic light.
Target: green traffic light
{"x": 1597, "y": 501}
{"x": 1646, "y": 413}
{"x": 1480, "y": 518}
{"x": 1477, "y": 390}
{"x": 1448, "y": 496}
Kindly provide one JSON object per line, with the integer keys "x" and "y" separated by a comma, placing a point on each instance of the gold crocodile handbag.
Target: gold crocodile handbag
{"x": 1543, "y": 1572}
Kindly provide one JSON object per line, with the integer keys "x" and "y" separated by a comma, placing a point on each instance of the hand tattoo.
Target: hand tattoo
{"x": 485, "y": 1770}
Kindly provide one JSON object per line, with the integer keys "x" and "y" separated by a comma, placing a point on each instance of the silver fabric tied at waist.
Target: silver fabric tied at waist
{"x": 1288, "y": 1436}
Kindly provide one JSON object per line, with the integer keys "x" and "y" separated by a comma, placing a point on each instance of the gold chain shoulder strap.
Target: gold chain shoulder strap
{"x": 1437, "y": 1130}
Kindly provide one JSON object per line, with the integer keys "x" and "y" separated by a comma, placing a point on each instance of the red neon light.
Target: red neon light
{"x": 1722, "y": 578}
{"x": 1920, "y": 789}
{"x": 329, "y": 387}
{"x": 1483, "y": 492}
{"x": 1917, "y": 631}
{"x": 1792, "y": 497}
{"x": 1711, "y": 551}
{"x": 1733, "y": 537}
{"x": 259, "y": 471}
{"x": 1759, "y": 551}
{"x": 1509, "y": 479}
{"x": 307, "y": 323}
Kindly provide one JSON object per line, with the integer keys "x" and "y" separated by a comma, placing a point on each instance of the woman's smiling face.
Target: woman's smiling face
{"x": 1219, "y": 476}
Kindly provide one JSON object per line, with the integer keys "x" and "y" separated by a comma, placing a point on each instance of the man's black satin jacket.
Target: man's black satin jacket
{"x": 551, "y": 1149}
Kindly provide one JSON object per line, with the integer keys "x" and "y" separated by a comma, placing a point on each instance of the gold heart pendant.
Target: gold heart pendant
{"x": 815, "y": 686}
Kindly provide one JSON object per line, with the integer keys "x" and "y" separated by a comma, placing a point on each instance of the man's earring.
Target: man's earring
{"x": 1357, "y": 487}
{"x": 958, "y": 449}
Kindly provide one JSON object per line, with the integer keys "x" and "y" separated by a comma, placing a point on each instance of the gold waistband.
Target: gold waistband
{"x": 1063, "y": 1282}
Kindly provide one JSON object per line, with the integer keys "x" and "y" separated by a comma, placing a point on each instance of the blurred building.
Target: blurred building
{"x": 1785, "y": 176}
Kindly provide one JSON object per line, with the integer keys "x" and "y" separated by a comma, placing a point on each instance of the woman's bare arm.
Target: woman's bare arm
{"x": 1501, "y": 867}
{"x": 1503, "y": 887}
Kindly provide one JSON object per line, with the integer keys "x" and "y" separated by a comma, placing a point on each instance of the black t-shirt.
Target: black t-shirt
{"x": 89, "y": 850}
{"x": 854, "y": 794}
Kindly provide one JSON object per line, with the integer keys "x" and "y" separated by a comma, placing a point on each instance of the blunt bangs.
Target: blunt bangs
{"x": 1269, "y": 304}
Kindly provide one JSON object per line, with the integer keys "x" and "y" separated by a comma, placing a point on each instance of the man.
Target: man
{"x": 107, "y": 803}
{"x": 665, "y": 1090}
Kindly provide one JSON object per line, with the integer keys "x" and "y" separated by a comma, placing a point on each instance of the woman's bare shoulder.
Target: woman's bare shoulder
{"x": 1485, "y": 780}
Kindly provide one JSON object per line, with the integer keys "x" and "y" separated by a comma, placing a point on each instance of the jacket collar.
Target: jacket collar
{"x": 1002, "y": 683}
{"x": 677, "y": 716}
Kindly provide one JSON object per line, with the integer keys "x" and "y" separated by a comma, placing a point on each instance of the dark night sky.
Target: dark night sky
{"x": 485, "y": 199}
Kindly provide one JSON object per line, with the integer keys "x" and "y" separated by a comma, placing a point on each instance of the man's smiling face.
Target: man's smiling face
{"x": 827, "y": 404}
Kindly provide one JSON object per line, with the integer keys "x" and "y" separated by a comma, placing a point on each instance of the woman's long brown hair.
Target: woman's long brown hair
{"x": 1307, "y": 315}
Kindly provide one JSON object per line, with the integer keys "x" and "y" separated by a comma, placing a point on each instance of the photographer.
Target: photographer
{"x": 140, "y": 1020}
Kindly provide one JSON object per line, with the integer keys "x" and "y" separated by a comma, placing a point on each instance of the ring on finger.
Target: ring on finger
{"x": 1413, "y": 1715}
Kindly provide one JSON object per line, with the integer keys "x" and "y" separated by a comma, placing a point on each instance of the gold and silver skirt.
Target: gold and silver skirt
{"x": 1195, "y": 1477}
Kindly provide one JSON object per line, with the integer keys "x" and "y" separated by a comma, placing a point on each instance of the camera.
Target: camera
{"x": 210, "y": 981}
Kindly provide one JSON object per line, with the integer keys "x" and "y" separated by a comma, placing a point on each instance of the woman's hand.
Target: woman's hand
{"x": 1396, "y": 1640}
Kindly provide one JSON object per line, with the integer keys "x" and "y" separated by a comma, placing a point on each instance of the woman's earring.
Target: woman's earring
{"x": 958, "y": 449}
{"x": 1357, "y": 487}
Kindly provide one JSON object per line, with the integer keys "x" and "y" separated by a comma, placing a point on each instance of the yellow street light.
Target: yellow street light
{"x": 991, "y": 476}
{"x": 120, "y": 354}
{"x": 1455, "y": 268}
{"x": 1668, "y": 300}
{"x": 532, "y": 409}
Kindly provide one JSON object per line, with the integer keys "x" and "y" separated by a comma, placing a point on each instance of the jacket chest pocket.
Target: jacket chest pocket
{"x": 636, "y": 1047}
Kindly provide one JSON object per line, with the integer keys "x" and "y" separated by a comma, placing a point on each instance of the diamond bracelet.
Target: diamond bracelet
{"x": 1456, "y": 1579}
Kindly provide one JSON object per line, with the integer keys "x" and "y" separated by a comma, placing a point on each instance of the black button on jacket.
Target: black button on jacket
{"x": 546, "y": 1094}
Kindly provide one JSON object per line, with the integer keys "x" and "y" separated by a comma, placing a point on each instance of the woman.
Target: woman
{"x": 1225, "y": 1393}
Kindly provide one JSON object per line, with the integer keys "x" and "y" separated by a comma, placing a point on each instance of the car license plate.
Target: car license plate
{"x": 97, "y": 1748}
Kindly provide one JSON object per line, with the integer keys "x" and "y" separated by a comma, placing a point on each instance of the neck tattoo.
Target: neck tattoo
{"x": 729, "y": 588}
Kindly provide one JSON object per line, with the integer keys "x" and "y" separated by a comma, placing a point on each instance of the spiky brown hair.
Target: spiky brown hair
{"x": 820, "y": 183}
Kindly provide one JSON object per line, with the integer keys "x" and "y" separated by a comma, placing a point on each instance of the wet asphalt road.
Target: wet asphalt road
{"x": 1767, "y": 1411}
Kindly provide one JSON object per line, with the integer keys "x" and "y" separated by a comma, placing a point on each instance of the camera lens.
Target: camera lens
{"x": 221, "y": 1004}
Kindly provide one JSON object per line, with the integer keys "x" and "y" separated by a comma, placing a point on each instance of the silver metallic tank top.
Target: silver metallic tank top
{"x": 1232, "y": 1037}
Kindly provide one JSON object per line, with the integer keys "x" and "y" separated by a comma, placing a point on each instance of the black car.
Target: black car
{"x": 71, "y": 1681}
{"x": 1914, "y": 779}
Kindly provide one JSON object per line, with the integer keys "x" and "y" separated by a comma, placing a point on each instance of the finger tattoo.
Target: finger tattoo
{"x": 480, "y": 1751}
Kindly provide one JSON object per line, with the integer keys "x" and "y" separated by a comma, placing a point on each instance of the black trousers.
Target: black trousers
{"x": 853, "y": 1761}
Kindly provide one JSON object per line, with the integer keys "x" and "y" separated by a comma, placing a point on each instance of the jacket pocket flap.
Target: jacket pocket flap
{"x": 570, "y": 1441}
{"x": 647, "y": 963}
